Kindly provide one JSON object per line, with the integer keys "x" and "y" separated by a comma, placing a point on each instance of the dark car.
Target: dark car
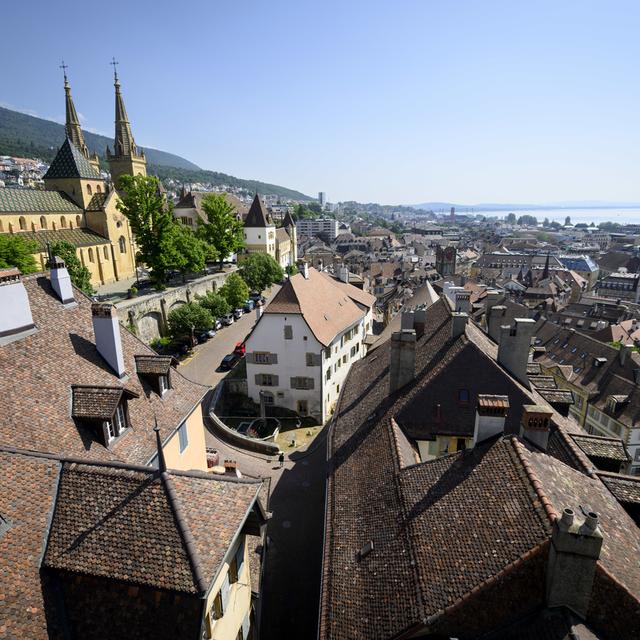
{"x": 230, "y": 361}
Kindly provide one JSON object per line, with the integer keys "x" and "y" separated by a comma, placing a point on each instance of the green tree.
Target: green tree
{"x": 530, "y": 221}
{"x": 545, "y": 223}
{"x": 292, "y": 270}
{"x": 188, "y": 317}
{"x": 16, "y": 251}
{"x": 235, "y": 291}
{"x": 188, "y": 252}
{"x": 215, "y": 304}
{"x": 567, "y": 221}
{"x": 511, "y": 218}
{"x": 151, "y": 217}
{"x": 222, "y": 231}
{"x": 260, "y": 271}
{"x": 79, "y": 274}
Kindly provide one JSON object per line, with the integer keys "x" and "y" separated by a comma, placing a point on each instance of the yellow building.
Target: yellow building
{"x": 78, "y": 205}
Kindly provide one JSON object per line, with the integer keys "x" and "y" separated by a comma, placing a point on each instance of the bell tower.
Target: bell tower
{"x": 127, "y": 158}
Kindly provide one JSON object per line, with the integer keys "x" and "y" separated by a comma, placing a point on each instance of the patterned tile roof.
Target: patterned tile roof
{"x": 70, "y": 162}
{"x": 257, "y": 216}
{"x": 600, "y": 447}
{"x": 626, "y": 489}
{"x": 97, "y": 201}
{"x": 40, "y": 370}
{"x": 155, "y": 365}
{"x": 78, "y": 237}
{"x": 35, "y": 201}
{"x": 95, "y": 403}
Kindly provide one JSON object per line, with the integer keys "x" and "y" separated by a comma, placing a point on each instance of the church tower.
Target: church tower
{"x": 126, "y": 158}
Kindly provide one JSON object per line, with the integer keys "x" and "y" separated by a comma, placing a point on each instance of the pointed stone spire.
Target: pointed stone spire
{"x": 72, "y": 122}
{"x": 124, "y": 144}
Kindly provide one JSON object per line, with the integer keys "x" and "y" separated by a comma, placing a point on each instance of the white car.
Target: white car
{"x": 228, "y": 319}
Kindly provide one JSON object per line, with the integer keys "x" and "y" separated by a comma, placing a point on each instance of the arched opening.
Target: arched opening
{"x": 123, "y": 244}
{"x": 89, "y": 190}
{"x": 98, "y": 189}
{"x": 105, "y": 252}
{"x": 63, "y": 222}
{"x": 23, "y": 223}
{"x": 43, "y": 222}
{"x": 90, "y": 255}
{"x": 78, "y": 221}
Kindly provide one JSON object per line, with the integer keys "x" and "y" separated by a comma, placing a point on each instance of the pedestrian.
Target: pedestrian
{"x": 281, "y": 459}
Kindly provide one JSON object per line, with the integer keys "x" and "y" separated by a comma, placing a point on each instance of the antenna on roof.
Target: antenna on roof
{"x": 162, "y": 465}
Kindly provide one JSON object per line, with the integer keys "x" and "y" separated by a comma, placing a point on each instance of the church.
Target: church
{"x": 78, "y": 205}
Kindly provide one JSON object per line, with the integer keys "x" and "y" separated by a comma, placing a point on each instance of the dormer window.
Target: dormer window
{"x": 117, "y": 425}
{"x": 156, "y": 370}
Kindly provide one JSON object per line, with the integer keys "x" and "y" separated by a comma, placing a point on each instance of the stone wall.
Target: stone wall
{"x": 148, "y": 314}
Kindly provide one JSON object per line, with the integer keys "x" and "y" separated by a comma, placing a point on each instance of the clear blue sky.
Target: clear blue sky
{"x": 378, "y": 101}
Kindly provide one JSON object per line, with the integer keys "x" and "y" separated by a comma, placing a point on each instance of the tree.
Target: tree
{"x": 567, "y": 221}
{"x": 151, "y": 217}
{"x": 188, "y": 251}
{"x": 528, "y": 220}
{"x": 235, "y": 291}
{"x": 292, "y": 270}
{"x": 260, "y": 271}
{"x": 188, "y": 317}
{"x": 222, "y": 231}
{"x": 16, "y": 251}
{"x": 511, "y": 218}
{"x": 215, "y": 304}
{"x": 79, "y": 274}
{"x": 546, "y": 222}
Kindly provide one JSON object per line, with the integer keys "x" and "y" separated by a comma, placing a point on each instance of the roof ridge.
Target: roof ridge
{"x": 535, "y": 481}
{"x": 185, "y": 532}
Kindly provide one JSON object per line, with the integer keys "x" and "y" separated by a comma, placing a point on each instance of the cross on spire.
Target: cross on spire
{"x": 64, "y": 68}
{"x": 114, "y": 64}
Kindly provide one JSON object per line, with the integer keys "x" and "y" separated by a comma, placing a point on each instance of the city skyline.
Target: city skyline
{"x": 393, "y": 105}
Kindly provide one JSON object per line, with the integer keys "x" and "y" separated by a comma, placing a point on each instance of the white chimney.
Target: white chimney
{"x": 106, "y": 329}
{"x": 343, "y": 274}
{"x": 259, "y": 312}
{"x": 14, "y": 302}
{"x": 305, "y": 270}
{"x": 458, "y": 323}
{"x": 60, "y": 280}
{"x": 491, "y": 414}
{"x": 514, "y": 347}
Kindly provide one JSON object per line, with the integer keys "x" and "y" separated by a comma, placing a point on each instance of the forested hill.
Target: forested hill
{"x": 26, "y": 136}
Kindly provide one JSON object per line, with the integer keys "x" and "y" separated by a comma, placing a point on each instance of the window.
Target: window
{"x": 328, "y": 374}
{"x": 123, "y": 244}
{"x": 463, "y": 396}
{"x": 313, "y": 359}
{"x": 89, "y": 189}
{"x": 90, "y": 255}
{"x": 163, "y": 382}
{"x": 105, "y": 252}
{"x": 268, "y": 397}
{"x": 233, "y": 570}
{"x": 98, "y": 189}
{"x": 183, "y": 436}
{"x": 43, "y": 222}
{"x": 266, "y": 380}
{"x": 302, "y": 383}
{"x": 327, "y": 352}
{"x": 261, "y": 357}
{"x": 23, "y": 223}
{"x": 217, "y": 609}
{"x": 63, "y": 222}
{"x": 78, "y": 221}
{"x": 288, "y": 332}
{"x": 117, "y": 425}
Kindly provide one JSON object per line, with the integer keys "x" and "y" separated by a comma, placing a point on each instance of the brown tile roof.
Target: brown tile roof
{"x": 626, "y": 489}
{"x": 282, "y": 235}
{"x": 40, "y": 370}
{"x": 96, "y": 403}
{"x": 600, "y": 447}
{"x": 357, "y": 295}
{"x": 257, "y": 216}
{"x": 325, "y": 307}
{"x": 155, "y": 365}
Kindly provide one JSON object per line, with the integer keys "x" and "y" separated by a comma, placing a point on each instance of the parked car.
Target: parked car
{"x": 230, "y": 361}
{"x": 217, "y": 325}
{"x": 255, "y": 295}
{"x": 228, "y": 319}
{"x": 237, "y": 314}
{"x": 203, "y": 336}
{"x": 248, "y": 306}
{"x": 240, "y": 349}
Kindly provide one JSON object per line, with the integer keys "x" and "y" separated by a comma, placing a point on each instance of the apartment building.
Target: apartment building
{"x": 326, "y": 227}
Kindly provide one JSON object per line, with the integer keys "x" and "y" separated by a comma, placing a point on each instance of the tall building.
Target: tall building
{"x": 322, "y": 198}
{"x": 78, "y": 206}
{"x": 327, "y": 227}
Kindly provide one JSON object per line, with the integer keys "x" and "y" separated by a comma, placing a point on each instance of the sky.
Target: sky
{"x": 393, "y": 102}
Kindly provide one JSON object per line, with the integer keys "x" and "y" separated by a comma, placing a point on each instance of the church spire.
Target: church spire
{"x": 72, "y": 122}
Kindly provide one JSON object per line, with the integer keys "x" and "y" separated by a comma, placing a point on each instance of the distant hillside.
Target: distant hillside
{"x": 26, "y": 136}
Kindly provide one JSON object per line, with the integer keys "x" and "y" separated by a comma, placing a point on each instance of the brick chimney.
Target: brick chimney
{"x": 491, "y": 414}
{"x": 513, "y": 350}
{"x": 402, "y": 365}
{"x": 60, "y": 280}
{"x": 16, "y": 311}
{"x": 458, "y": 323}
{"x": 107, "y": 334}
{"x": 536, "y": 424}
{"x": 576, "y": 542}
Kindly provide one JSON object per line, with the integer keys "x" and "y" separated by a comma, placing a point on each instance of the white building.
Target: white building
{"x": 316, "y": 226}
{"x": 301, "y": 349}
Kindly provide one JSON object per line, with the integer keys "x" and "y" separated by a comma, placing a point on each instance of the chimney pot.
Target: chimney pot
{"x": 60, "y": 280}
{"x": 106, "y": 329}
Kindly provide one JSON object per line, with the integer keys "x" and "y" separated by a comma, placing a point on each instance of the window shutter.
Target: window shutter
{"x": 288, "y": 332}
{"x": 273, "y": 358}
{"x": 258, "y": 378}
{"x": 250, "y": 358}
{"x": 224, "y": 591}
{"x": 274, "y": 380}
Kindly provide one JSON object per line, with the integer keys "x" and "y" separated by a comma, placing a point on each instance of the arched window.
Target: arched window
{"x": 63, "y": 222}
{"x": 105, "y": 252}
{"x": 43, "y": 222}
{"x": 123, "y": 245}
{"x": 98, "y": 189}
{"x": 89, "y": 191}
{"x": 90, "y": 255}
{"x": 78, "y": 221}
{"x": 23, "y": 223}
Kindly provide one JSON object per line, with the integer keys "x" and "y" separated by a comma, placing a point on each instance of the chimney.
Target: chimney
{"x": 491, "y": 414}
{"x": 494, "y": 318}
{"x": 419, "y": 322}
{"x": 107, "y": 333}
{"x": 625, "y": 350}
{"x": 407, "y": 320}
{"x": 14, "y": 302}
{"x": 259, "y": 312}
{"x": 536, "y": 424}
{"x": 60, "y": 280}
{"x": 513, "y": 350}
{"x": 343, "y": 274}
{"x": 458, "y": 323}
{"x": 576, "y": 542}
{"x": 402, "y": 365}
{"x": 462, "y": 300}
{"x": 305, "y": 270}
